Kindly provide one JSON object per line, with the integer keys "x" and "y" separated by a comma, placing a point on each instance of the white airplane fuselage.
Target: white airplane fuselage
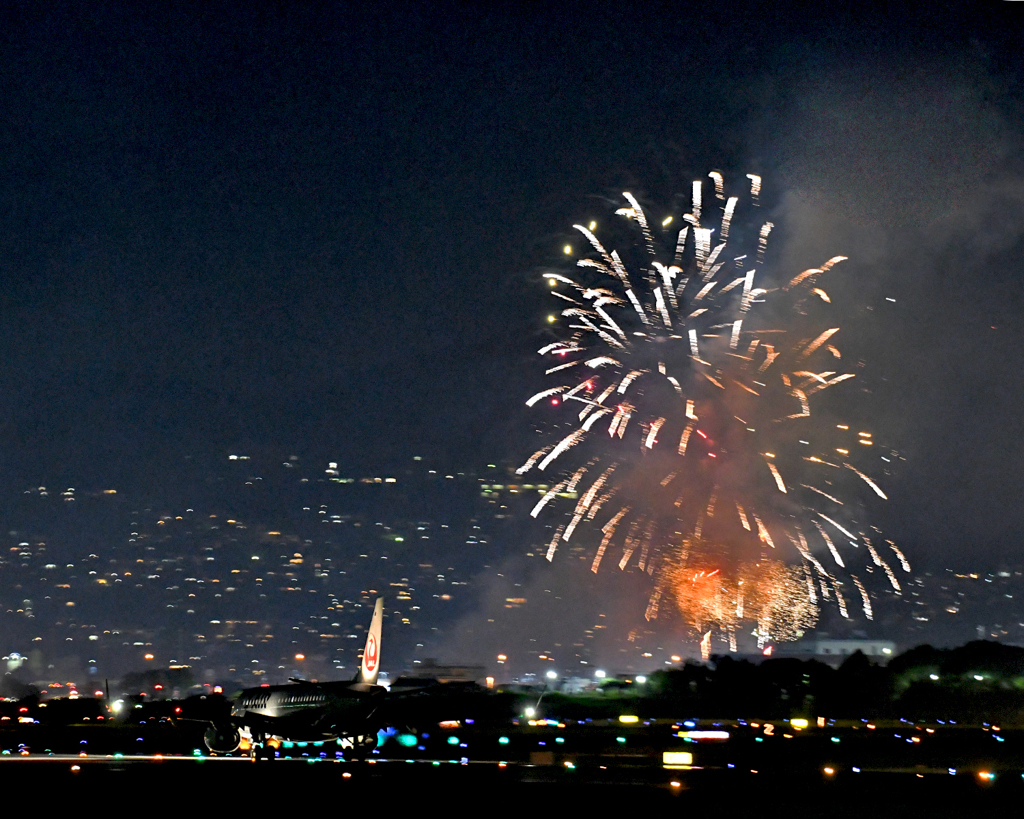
{"x": 307, "y": 711}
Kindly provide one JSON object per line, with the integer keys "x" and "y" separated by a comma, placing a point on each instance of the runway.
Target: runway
{"x": 186, "y": 783}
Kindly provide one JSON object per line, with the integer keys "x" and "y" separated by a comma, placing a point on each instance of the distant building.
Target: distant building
{"x": 825, "y": 648}
{"x": 448, "y": 673}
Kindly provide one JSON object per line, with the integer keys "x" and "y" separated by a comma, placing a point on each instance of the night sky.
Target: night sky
{"x": 318, "y": 229}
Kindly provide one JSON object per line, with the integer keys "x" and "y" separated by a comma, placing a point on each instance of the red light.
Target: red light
{"x": 554, "y": 402}
{"x": 712, "y": 455}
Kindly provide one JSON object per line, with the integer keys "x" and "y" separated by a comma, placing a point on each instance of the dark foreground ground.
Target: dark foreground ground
{"x": 182, "y": 786}
{"x": 484, "y": 767}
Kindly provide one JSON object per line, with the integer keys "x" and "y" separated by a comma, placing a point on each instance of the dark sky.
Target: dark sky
{"x": 317, "y": 227}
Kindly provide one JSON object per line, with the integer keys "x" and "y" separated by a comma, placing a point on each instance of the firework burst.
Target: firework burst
{"x": 689, "y": 432}
{"x": 770, "y": 594}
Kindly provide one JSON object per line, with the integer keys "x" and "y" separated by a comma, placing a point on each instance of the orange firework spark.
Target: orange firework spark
{"x": 769, "y": 594}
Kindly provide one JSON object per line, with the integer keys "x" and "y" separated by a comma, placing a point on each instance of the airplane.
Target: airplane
{"x": 308, "y": 711}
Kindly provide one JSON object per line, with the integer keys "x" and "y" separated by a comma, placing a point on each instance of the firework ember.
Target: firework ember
{"x": 770, "y": 594}
{"x": 694, "y": 431}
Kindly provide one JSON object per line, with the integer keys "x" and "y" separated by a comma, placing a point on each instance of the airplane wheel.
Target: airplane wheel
{"x": 263, "y": 752}
{"x": 362, "y": 747}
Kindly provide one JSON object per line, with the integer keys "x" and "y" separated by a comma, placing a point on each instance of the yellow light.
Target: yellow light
{"x": 676, "y": 759}
{"x": 567, "y": 250}
{"x": 798, "y": 723}
{"x": 551, "y": 319}
{"x": 666, "y": 221}
{"x": 593, "y": 227}
{"x": 628, "y": 719}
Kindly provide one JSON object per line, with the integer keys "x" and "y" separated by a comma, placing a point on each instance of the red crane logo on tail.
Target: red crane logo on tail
{"x": 370, "y": 655}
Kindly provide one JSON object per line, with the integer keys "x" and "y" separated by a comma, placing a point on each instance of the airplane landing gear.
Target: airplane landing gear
{"x": 261, "y": 749}
{"x": 359, "y": 746}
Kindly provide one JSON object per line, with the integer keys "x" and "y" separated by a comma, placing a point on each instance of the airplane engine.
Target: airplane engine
{"x": 222, "y": 739}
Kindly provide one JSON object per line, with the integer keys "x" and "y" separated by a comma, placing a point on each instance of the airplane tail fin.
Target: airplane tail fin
{"x": 371, "y": 651}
